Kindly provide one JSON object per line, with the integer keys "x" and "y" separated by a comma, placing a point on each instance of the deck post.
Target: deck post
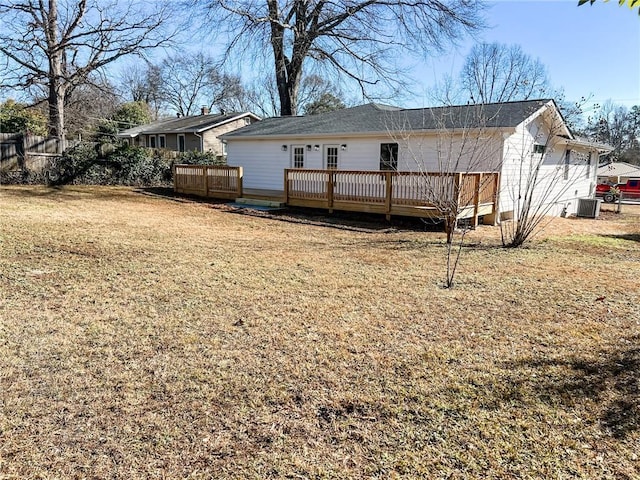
{"x": 476, "y": 198}
{"x": 240, "y": 176}
{"x": 388, "y": 178}
{"x": 331, "y": 177}
{"x": 493, "y": 218}
{"x": 175, "y": 179}
{"x": 457, "y": 183}
{"x": 286, "y": 185}
{"x": 205, "y": 180}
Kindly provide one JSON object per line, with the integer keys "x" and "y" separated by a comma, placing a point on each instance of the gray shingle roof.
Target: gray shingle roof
{"x": 375, "y": 118}
{"x": 194, "y": 123}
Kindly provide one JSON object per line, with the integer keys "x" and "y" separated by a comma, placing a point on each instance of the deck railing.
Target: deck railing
{"x": 208, "y": 181}
{"x": 389, "y": 192}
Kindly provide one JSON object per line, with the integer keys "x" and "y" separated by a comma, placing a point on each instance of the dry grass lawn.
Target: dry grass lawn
{"x": 142, "y": 337}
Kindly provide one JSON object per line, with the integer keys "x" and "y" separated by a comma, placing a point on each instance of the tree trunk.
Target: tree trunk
{"x": 288, "y": 72}
{"x": 288, "y": 77}
{"x": 56, "y": 112}
{"x": 56, "y": 86}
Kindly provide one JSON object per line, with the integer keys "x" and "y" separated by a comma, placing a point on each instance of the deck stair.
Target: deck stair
{"x": 259, "y": 202}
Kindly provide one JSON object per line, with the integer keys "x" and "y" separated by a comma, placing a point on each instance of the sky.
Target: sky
{"x": 592, "y": 51}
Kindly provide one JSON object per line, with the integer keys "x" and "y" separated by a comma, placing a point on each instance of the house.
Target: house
{"x": 618, "y": 172}
{"x": 515, "y": 139}
{"x": 196, "y": 132}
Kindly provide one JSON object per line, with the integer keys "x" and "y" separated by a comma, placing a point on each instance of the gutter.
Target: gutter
{"x": 602, "y": 148}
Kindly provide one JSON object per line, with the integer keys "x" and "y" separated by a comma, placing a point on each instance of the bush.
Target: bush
{"x": 21, "y": 177}
{"x": 137, "y": 166}
{"x": 108, "y": 164}
{"x": 124, "y": 165}
{"x": 75, "y": 162}
{"x": 200, "y": 158}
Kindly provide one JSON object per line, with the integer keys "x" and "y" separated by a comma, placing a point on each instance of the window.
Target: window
{"x": 297, "y": 153}
{"x": 181, "y": 144}
{"x": 152, "y": 141}
{"x": 162, "y": 141}
{"x": 539, "y": 149}
{"x": 388, "y": 156}
{"x": 567, "y": 163}
{"x": 331, "y": 156}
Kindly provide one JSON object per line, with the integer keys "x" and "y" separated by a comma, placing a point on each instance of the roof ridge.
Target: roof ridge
{"x": 489, "y": 104}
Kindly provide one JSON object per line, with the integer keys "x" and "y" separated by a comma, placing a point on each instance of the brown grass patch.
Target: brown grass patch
{"x": 146, "y": 338}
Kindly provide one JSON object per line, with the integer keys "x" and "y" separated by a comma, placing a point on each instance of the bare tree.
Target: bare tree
{"x": 456, "y": 151}
{"x": 459, "y": 151}
{"x": 143, "y": 83}
{"x": 318, "y": 94}
{"x": 325, "y": 102}
{"x": 189, "y": 82}
{"x": 356, "y": 40}
{"x": 259, "y": 97}
{"x": 59, "y": 44}
{"x": 544, "y": 174}
{"x": 495, "y": 72}
{"x": 617, "y": 126}
{"x": 87, "y": 106}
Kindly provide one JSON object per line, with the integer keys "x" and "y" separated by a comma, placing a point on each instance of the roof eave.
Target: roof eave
{"x": 601, "y": 147}
{"x": 381, "y": 133}
{"x": 229, "y": 120}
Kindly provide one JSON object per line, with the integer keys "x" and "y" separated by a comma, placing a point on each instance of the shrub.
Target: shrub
{"x": 124, "y": 165}
{"x": 21, "y": 177}
{"x": 200, "y": 158}
{"x": 109, "y": 164}
{"x": 75, "y": 162}
{"x": 138, "y": 166}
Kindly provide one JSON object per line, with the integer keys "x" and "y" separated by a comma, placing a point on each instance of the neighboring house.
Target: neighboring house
{"x": 505, "y": 137}
{"x": 197, "y": 132}
{"x": 618, "y": 172}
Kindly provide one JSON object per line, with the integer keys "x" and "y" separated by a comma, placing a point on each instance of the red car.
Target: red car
{"x": 610, "y": 193}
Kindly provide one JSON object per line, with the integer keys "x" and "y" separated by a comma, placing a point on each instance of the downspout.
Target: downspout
{"x": 497, "y": 214}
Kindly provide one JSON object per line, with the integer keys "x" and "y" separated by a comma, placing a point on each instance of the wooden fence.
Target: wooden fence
{"x": 25, "y": 152}
{"x": 208, "y": 181}
{"x": 395, "y": 193}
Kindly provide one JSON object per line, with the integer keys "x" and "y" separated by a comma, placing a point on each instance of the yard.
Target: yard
{"x": 144, "y": 337}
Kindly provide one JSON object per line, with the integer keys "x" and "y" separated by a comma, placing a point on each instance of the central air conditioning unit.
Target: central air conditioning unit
{"x": 588, "y": 207}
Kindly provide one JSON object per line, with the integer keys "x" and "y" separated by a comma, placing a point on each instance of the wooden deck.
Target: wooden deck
{"x": 209, "y": 181}
{"x": 416, "y": 194}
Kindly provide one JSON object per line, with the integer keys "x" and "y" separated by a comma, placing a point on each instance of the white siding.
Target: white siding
{"x": 460, "y": 152}
{"x": 264, "y": 161}
{"x": 557, "y": 188}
